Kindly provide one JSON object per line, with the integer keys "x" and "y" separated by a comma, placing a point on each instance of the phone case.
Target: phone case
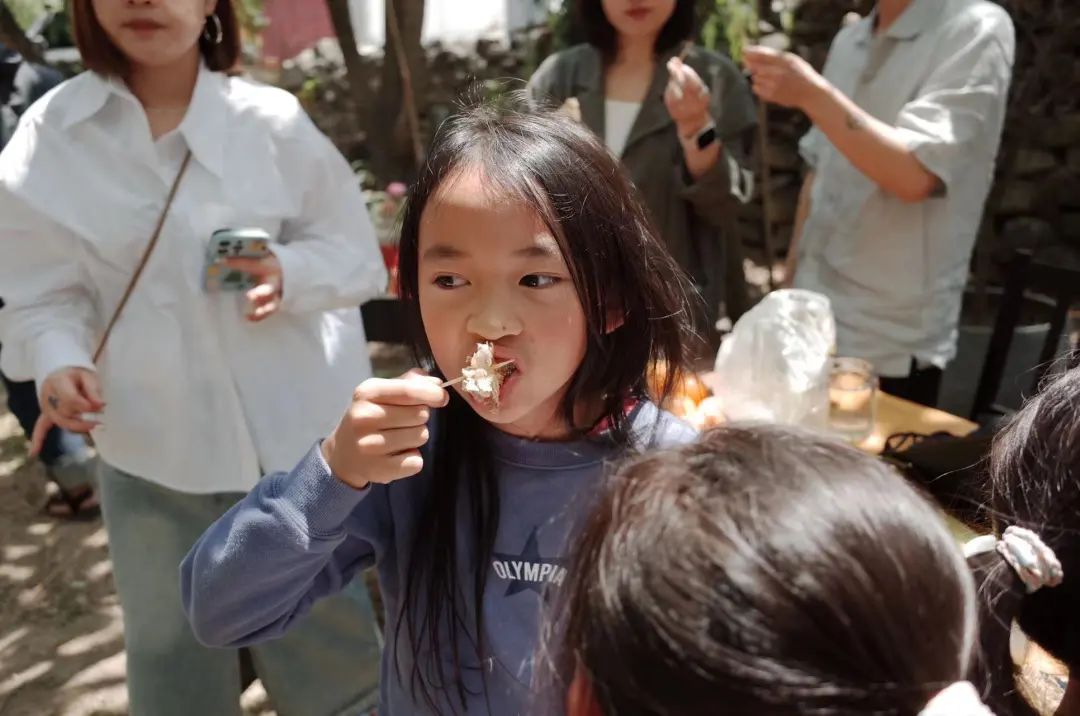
{"x": 233, "y": 243}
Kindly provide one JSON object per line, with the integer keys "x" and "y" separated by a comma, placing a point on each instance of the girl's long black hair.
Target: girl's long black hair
{"x": 620, "y": 269}
{"x": 1034, "y": 482}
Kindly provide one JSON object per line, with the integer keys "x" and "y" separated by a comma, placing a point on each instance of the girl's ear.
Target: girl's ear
{"x": 580, "y": 700}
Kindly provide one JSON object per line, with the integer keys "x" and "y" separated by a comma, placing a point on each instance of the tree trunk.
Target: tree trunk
{"x": 394, "y": 133}
{"x": 341, "y": 19}
{"x": 13, "y": 36}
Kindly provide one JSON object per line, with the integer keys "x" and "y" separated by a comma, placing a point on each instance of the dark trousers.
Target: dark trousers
{"x": 23, "y": 403}
{"x": 921, "y": 385}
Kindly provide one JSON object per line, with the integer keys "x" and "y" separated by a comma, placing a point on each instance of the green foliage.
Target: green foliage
{"x": 727, "y": 25}
{"x": 564, "y": 29}
{"x": 250, "y": 15}
{"x": 26, "y": 11}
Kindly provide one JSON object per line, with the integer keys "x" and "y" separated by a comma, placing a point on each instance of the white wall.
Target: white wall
{"x": 451, "y": 21}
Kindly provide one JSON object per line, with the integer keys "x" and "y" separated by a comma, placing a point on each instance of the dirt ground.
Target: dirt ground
{"x": 61, "y": 632}
{"x": 61, "y": 635}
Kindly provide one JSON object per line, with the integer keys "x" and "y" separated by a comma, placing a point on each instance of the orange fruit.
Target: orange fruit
{"x": 689, "y": 388}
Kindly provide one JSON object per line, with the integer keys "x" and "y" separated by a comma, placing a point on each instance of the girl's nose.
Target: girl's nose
{"x": 492, "y": 321}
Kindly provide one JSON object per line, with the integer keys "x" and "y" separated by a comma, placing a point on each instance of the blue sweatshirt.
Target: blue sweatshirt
{"x": 301, "y": 536}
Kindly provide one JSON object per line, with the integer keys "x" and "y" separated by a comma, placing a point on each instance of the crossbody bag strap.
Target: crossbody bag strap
{"x": 145, "y": 258}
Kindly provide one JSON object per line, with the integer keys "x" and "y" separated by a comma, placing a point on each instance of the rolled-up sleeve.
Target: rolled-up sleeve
{"x": 48, "y": 318}
{"x": 960, "y": 100}
{"x": 811, "y": 147}
{"x": 329, "y": 254}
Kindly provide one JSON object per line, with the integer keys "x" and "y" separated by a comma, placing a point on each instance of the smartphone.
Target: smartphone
{"x": 233, "y": 243}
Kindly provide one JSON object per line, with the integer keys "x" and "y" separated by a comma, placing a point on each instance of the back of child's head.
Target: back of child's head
{"x": 1034, "y": 485}
{"x": 621, "y": 270}
{"x": 764, "y": 572}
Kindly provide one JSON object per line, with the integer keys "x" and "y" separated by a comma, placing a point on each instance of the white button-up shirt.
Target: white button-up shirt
{"x": 894, "y": 271}
{"x": 198, "y": 399}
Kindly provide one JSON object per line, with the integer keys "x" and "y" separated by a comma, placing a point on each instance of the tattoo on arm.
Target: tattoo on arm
{"x": 854, "y": 123}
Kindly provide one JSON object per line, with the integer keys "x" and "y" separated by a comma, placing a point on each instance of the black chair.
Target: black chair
{"x": 1059, "y": 283}
{"x": 384, "y": 320}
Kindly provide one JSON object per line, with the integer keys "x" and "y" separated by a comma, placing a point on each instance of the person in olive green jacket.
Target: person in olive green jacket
{"x": 680, "y": 117}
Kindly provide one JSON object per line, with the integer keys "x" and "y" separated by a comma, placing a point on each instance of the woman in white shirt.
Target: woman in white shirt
{"x": 198, "y": 393}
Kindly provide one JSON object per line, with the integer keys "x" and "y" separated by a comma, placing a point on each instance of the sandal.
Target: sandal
{"x": 79, "y": 504}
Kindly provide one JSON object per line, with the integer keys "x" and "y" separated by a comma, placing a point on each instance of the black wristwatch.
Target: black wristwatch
{"x": 706, "y": 136}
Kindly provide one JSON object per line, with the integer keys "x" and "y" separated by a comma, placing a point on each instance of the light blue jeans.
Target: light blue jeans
{"x": 328, "y": 664}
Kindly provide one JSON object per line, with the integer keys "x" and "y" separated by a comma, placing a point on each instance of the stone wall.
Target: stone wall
{"x": 1036, "y": 199}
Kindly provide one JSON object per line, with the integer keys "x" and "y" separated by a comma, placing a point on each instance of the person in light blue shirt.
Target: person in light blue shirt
{"x": 907, "y": 119}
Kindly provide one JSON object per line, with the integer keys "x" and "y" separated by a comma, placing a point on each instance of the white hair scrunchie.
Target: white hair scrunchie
{"x": 1032, "y": 560}
{"x": 960, "y": 699}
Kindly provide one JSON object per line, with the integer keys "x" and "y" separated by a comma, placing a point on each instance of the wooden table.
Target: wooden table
{"x": 893, "y": 415}
{"x": 896, "y": 415}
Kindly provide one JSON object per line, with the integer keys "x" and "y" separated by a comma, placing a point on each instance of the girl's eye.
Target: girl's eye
{"x": 534, "y": 280}
{"x": 447, "y": 281}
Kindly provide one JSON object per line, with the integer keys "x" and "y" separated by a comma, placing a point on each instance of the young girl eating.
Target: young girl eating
{"x": 764, "y": 571}
{"x": 522, "y": 244}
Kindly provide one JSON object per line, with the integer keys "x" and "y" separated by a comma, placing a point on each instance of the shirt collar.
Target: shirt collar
{"x": 88, "y": 95}
{"x": 203, "y": 126}
{"x": 916, "y": 19}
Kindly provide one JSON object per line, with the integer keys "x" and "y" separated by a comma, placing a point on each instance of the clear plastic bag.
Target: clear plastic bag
{"x": 774, "y": 365}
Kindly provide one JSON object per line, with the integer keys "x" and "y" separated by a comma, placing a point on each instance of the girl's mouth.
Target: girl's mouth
{"x": 639, "y": 13}
{"x": 509, "y": 376}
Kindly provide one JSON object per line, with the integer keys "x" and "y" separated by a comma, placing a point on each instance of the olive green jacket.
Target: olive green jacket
{"x": 695, "y": 219}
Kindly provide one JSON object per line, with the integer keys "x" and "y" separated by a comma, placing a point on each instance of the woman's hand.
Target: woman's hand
{"x": 783, "y": 78}
{"x": 570, "y": 108}
{"x": 379, "y": 438}
{"x": 66, "y": 396}
{"x": 686, "y": 98}
{"x": 265, "y": 299}
{"x": 687, "y": 101}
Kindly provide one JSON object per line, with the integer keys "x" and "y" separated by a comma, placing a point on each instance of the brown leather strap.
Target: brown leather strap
{"x": 145, "y": 258}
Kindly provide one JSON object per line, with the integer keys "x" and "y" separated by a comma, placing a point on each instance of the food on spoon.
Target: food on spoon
{"x": 481, "y": 377}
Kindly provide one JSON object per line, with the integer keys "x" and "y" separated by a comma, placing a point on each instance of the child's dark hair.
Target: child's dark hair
{"x": 1034, "y": 483}
{"x": 620, "y": 270}
{"x": 764, "y": 571}
{"x": 601, "y": 34}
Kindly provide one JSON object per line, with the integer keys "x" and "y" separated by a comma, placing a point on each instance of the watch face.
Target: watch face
{"x": 706, "y": 138}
